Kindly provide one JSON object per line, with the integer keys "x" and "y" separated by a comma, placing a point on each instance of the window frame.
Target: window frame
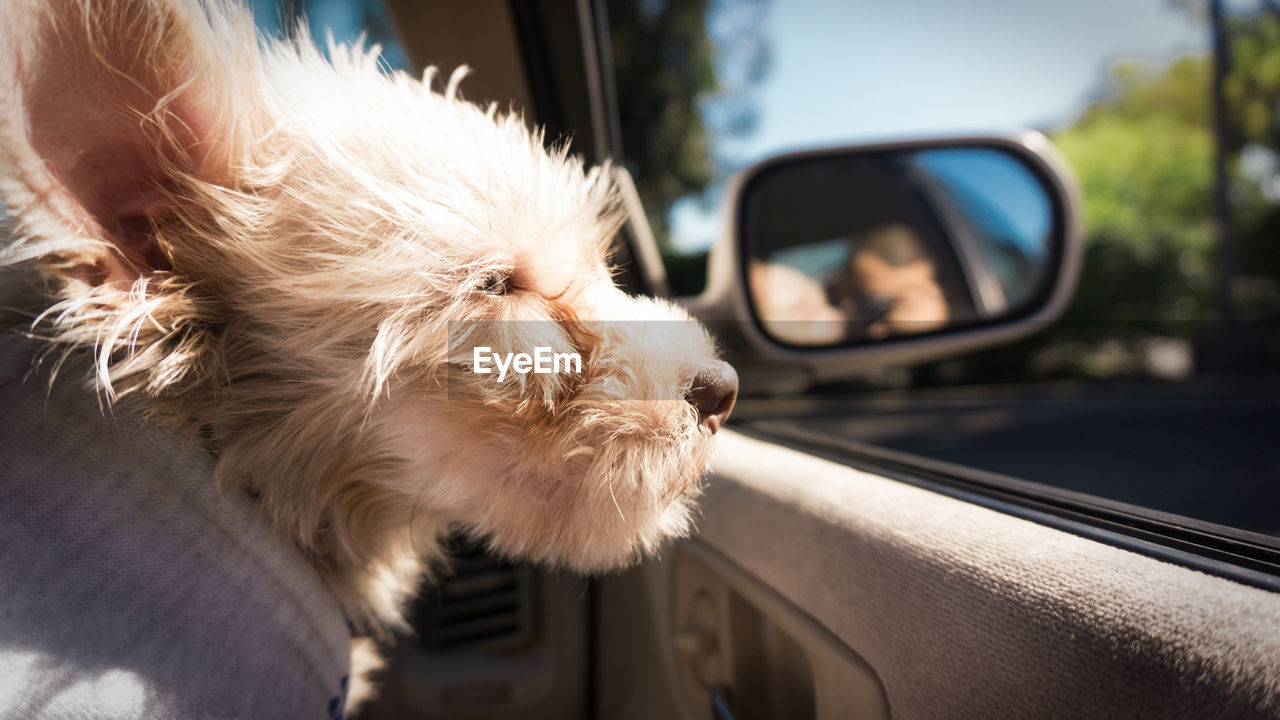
{"x": 1249, "y": 558}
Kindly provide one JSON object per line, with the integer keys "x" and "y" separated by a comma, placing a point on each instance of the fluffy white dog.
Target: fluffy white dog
{"x": 290, "y": 260}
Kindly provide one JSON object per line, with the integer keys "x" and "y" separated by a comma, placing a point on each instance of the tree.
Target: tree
{"x": 1144, "y": 158}
{"x": 1143, "y": 155}
{"x": 1253, "y": 91}
{"x": 680, "y": 90}
{"x": 1252, "y": 87}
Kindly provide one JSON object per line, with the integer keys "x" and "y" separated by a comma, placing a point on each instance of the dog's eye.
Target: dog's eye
{"x": 495, "y": 282}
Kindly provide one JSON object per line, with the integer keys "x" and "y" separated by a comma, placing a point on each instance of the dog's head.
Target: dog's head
{"x": 296, "y": 258}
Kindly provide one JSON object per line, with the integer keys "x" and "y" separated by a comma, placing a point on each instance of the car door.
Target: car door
{"x": 830, "y": 578}
{"x": 819, "y": 589}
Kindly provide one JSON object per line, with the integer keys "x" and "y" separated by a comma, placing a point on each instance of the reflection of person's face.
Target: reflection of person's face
{"x": 911, "y": 293}
{"x": 898, "y": 290}
{"x": 888, "y": 286}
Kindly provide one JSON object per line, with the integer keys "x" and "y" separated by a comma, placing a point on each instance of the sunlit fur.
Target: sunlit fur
{"x": 314, "y": 229}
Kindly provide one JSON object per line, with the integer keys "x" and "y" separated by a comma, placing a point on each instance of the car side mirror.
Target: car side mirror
{"x": 838, "y": 260}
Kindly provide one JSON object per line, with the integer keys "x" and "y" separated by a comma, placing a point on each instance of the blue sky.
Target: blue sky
{"x": 847, "y": 71}
{"x": 852, "y": 71}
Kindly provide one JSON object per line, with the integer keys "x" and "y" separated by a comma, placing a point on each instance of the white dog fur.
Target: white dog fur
{"x": 267, "y": 250}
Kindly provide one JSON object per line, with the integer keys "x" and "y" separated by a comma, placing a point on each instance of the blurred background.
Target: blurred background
{"x": 1126, "y": 90}
{"x": 1160, "y": 385}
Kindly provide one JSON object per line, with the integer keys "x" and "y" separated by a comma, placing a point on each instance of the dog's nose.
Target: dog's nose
{"x": 714, "y": 390}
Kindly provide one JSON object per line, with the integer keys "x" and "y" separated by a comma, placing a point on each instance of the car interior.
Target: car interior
{"x": 827, "y": 579}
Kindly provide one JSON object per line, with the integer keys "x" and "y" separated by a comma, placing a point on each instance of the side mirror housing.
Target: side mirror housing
{"x": 836, "y": 261}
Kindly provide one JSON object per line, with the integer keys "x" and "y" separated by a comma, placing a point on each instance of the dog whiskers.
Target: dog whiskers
{"x": 615, "y": 501}
{"x": 413, "y": 511}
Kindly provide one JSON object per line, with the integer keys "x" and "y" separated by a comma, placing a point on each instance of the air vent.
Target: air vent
{"x": 484, "y": 604}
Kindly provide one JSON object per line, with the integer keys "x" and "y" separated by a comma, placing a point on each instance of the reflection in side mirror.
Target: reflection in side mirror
{"x": 847, "y": 248}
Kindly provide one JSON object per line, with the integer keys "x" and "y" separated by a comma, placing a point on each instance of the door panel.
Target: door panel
{"x": 960, "y": 611}
{"x": 491, "y": 639}
{"x": 763, "y": 655}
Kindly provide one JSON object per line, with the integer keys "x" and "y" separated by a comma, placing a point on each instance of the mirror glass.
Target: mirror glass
{"x": 865, "y": 245}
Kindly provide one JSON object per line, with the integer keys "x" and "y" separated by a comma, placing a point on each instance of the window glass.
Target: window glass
{"x": 1159, "y": 387}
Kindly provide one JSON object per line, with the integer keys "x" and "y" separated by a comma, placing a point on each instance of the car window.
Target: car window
{"x": 1159, "y": 387}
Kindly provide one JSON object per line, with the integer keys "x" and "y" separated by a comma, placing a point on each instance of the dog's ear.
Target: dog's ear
{"x": 107, "y": 106}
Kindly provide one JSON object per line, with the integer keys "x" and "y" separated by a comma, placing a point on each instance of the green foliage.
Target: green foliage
{"x": 1253, "y": 91}
{"x": 679, "y": 90}
{"x": 1145, "y": 184}
{"x": 662, "y": 59}
{"x": 1143, "y": 154}
{"x": 1252, "y": 87}
{"x": 1144, "y": 159}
